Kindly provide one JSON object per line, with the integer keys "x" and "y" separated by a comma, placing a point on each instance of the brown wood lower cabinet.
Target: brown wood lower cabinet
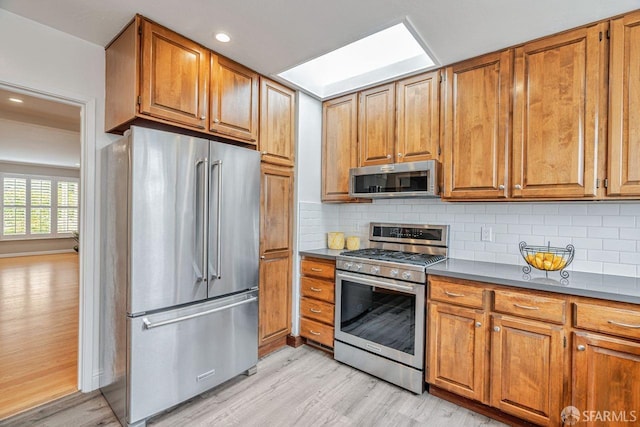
{"x": 457, "y": 347}
{"x": 529, "y": 354}
{"x": 606, "y": 379}
{"x": 527, "y": 369}
{"x": 275, "y": 303}
{"x": 317, "y": 288}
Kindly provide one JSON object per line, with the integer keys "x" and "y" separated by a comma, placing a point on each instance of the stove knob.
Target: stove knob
{"x": 375, "y": 269}
{"x": 394, "y": 273}
{"x": 358, "y": 267}
{"x": 348, "y": 265}
{"x": 406, "y": 275}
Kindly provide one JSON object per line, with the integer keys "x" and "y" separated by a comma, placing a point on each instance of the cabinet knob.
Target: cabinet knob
{"x": 518, "y": 187}
{"x": 501, "y": 187}
{"x": 478, "y": 324}
{"x": 388, "y": 156}
{"x": 203, "y": 117}
{"x": 261, "y": 256}
{"x": 496, "y": 328}
{"x": 581, "y": 348}
{"x": 399, "y": 154}
{"x": 263, "y": 152}
{"x": 215, "y": 120}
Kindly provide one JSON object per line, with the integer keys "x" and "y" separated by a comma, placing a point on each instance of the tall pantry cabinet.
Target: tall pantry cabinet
{"x": 277, "y": 146}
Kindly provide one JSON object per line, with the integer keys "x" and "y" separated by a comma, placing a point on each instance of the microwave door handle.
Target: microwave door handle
{"x": 218, "y": 273}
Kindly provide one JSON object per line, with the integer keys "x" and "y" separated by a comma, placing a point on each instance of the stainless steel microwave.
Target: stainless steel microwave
{"x": 416, "y": 179}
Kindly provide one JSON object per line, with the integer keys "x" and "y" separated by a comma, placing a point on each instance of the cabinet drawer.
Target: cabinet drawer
{"x": 316, "y": 310}
{"x": 318, "y": 268}
{"x": 316, "y": 331}
{"x": 531, "y": 306}
{"x": 456, "y": 293}
{"x": 318, "y": 289}
{"x": 608, "y": 320}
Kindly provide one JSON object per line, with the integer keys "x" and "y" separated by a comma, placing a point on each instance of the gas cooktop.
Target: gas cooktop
{"x": 395, "y": 256}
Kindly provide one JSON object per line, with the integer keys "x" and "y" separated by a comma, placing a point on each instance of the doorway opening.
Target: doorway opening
{"x": 40, "y": 217}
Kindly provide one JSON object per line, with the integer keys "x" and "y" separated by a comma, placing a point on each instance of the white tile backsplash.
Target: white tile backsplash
{"x": 606, "y": 235}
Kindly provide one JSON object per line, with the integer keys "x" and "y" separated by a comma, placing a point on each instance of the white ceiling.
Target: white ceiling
{"x": 39, "y": 111}
{"x": 38, "y": 131}
{"x": 272, "y": 36}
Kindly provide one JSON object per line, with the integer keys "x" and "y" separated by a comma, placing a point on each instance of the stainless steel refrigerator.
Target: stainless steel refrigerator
{"x": 180, "y": 233}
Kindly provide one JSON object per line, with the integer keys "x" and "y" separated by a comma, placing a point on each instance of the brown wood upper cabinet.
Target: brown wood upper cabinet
{"x": 339, "y": 146}
{"x": 624, "y": 107}
{"x": 277, "y": 123}
{"x": 558, "y": 84}
{"x": 476, "y": 136}
{"x": 418, "y": 118}
{"x": 376, "y": 125}
{"x": 234, "y": 100}
{"x": 400, "y": 122}
{"x": 154, "y": 73}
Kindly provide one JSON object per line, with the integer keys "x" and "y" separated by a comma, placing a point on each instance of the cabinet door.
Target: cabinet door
{"x": 527, "y": 369}
{"x": 274, "y": 298}
{"x": 477, "y": 138}
{"x": 339, "y": 146}
{"x": 376, "y": 125}
{"x": 624, "y": 109}
{"x": 457, "y": 341}
{"x": 234, "y": 100}
{"x": 277, "y": 122}
{"x": 606, "y": 374}
{"x": 276, "y": 209}
{"x": 418, "y": 118}
{"x": 558, "y": 84}
{"x": 174, "y": 77}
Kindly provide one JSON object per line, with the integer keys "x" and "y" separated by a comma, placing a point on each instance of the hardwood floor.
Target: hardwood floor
{"x": 38, "y": 330}
{"x": 293, "y": 387}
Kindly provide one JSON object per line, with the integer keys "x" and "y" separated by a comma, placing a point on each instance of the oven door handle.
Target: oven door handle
{"x": 377, "y": 283}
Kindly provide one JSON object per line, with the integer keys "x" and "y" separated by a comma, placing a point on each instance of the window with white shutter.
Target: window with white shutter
{"x": 36, "y": 207}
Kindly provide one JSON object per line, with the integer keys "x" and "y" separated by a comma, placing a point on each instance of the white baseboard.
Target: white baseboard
{"x": 58, "y": 251}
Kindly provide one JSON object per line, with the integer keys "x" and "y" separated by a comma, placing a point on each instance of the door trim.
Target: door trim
{"x": 89, "y": 275}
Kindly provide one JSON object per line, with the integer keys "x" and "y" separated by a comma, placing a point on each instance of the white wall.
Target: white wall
{"x": 28, "y": 143}
{"x": 40, "y": 58}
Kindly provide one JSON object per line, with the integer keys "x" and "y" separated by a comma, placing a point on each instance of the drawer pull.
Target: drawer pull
{"x": 315, "y": 289}
{"x": 496, "y": 328}
{"x": 317, "y": 270}
{"x": 526, "y": 307}
{"x": 314, "y": 332}
{"x": 581, "y": 348}
{"x": 452, "y": 294}
{"x": 314, "y": 310}
{"x": 624, "y": 325}
{"x": 478, "y": 324}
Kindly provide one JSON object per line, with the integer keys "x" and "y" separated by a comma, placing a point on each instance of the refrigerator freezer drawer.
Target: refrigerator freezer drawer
{"x": 178, "y": 354}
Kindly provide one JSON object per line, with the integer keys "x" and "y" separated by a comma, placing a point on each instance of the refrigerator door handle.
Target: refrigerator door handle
{"x": 149, "y": 325}
{"x": 204, "y": 202}
{"x": 218, "y": 273}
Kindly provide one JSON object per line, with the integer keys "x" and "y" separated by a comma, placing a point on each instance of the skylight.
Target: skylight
{"x": 380, "y": 56}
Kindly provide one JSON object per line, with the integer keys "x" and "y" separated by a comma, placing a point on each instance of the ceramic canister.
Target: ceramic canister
{"x": 335, "y": 240}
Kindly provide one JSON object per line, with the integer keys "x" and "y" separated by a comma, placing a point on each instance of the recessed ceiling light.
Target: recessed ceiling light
{"x": 222, "y": 37}
{"x": 17, "y": 100}
{"x": 381, "y": 56}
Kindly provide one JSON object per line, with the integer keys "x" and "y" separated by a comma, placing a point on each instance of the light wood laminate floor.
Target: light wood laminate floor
{"x": 293, "y": 387}
{"x": 38, "y": 330}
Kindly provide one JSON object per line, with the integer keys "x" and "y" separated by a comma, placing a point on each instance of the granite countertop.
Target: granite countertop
{"x": 615, "y": 288}
{"x": 324, "y": 253}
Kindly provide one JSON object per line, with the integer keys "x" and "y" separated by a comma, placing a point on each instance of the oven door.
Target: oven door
{"x": 382, "y": 316}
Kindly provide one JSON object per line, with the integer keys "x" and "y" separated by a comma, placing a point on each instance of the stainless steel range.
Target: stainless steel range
{"x": 380, "y": 301}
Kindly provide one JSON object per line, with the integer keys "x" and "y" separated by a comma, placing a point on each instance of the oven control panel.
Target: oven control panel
{"x": 390, "y": 270}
